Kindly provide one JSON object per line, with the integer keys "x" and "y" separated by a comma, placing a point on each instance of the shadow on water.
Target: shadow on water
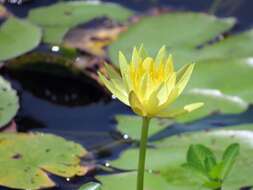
{"x": 77, "y": 110}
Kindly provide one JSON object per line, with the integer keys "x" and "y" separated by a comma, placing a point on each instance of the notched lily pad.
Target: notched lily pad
{"x": 26, "y": 160}
{"x": 131, "y": 125}
{"x": 169, "y": 155}
{"x": 57, "y": 19}
{"x": 9, "y": 102}
{"x": 17, "y": 37}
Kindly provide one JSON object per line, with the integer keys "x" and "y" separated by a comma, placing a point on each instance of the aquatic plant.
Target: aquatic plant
{"x": 202, "y": 160}
{"x": 149, "y": 86}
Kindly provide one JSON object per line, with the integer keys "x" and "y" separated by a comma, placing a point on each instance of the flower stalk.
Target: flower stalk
{"x": 142, "y": 153}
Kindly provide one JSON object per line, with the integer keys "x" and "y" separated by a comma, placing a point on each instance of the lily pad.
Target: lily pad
{"x": 9, "y": 102}
{"x": 169, "y": 155}
{"x": 215, "y": 84}
{"x": 130, "y": 125}
{"x": 17, "y": 37}
{"x": 176, "y": 30}
{"x": 57, "y": 19}
{"x": 91, "y": 186}
{"x": 26, "y": 159}
{"x": 213, "y": 80}
{"x": 127, "y": 181}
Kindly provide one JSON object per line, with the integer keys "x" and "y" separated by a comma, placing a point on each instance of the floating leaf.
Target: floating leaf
{"x": 17, "y": 37}
{"x": 131, "y": 125}
{"x": 127, "y": 181}
{"x": 213, "y": 80}
{"x": 195, "y": 29}
{"x": 91, "y": 186}
{"x": 57, "y": 19}
{"x": 170, "y": 154}
{"x": 26, "y": 159}
{"x": 9, "y": 103}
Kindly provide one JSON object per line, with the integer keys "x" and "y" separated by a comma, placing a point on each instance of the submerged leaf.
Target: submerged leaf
{"x": 26, "y": 159}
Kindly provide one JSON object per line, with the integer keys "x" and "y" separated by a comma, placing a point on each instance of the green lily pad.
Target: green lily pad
{"x": 127, "y": 181}
{"x": 213, "y": 81}
{"x": 195, "y": 29}
{"x": 17, "y": 37}
{"x": 131, "y": 125}
{"x": 91, "y": 186}
{"x": 169, "y": 155}
{"x": 9, "y": 102}
{"x": 57, "y": 19}
{"x": 26, "y": 159}
{"x": 215, "y": 84}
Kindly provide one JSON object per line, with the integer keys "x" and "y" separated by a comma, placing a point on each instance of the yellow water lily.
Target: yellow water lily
{"x": 149, "y": 85}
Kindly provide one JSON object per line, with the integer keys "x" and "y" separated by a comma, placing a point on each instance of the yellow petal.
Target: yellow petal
{"x": 183, "y": 76}
{"x": 160, "y": 56}
{"x": 116, "y": 79}
{"x": 135, "y": 58}
{"x": 142, "y": 52}
{"x": 123, "y": 64}
{"x": 169, "y": 67}
{"x": 172, "y": 113}
{"x": 167, "y": 88}
{"x": 113, "y": 74}
{"x": 170, "y": 99}
{"x": 110, "y": 86}
{"x": 136, "y": 104}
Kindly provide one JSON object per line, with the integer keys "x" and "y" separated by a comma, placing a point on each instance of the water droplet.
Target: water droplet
{"x": 55, "y": 48}
{"x": 68, "y": 179}
{"x": 125, "y": 136}
{"x": 107, "y": 164}
{"x": 113, "y": 97}
{"x": 150, "y": 171}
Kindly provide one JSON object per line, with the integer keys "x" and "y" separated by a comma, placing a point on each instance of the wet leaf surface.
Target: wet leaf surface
{"x": 26, "y": 160}
{"x": 9, "y": 102}
{"x": 71, "y": 14}
{"x": 126, "y": 181}
{"x": 130, "y": 125}
{"x": 91, "y": 186}
{"x": 170, "y": 153}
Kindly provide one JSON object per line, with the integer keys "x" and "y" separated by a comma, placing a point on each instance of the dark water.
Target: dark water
{"x": 78, "y": 111}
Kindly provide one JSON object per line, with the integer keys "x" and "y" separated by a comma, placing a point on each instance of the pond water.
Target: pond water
{"x": 78, "y": 111}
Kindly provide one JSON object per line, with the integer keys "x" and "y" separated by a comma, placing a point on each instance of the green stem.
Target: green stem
{"x": 142, "y": 152}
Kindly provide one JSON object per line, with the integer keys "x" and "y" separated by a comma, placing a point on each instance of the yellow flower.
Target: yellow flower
{"x": 149, "y": 85}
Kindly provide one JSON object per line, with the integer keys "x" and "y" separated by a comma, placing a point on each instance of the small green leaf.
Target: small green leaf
{"x": 216, "y": 171}
{"x": 210, "y": 163}
{"x": 213, "y": 184}
{"x": 229, "y": 158}
{"x": 196, "y": 156}
{"x": 91, "y": 186}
